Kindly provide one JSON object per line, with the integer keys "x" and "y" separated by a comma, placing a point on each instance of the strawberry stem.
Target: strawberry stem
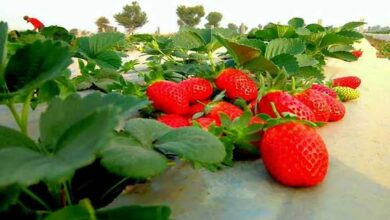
{"x": 293, "y": 85}
{"x": 275, "y": 110}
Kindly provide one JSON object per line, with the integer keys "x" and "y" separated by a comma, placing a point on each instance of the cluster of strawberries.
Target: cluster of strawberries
{"x": 292, "y": 151}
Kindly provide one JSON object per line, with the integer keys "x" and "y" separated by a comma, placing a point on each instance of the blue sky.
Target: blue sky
{"x": 83, "y": 13}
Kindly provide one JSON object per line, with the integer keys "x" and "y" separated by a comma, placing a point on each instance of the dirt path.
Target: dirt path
{"x": 362, "y": 139}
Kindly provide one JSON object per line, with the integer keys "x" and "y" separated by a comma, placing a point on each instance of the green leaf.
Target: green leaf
{"x": 99, "y": 42}
{"x": 126, "y": 157}
{"x": 352, "y": 25}
{"x": 352, "y": 34}
{"x": 306, "y": 60}
{"x": 255, "y": 43}
{"x": 146, "y": 131}
{"x": 260, "y": 63}
{"x": 285, "y": 31}
{"x": 188, "y": 40}
{"x": 337, "y": 48}
{"x": 3, "y": 49}
{"x": 193, "y": 144}
{"x": 9, "y": 196}
{"x": 46, "y": 92}
{"x": 267, "y": 34}
{"x": 98, "y": 49}
{"x": 249, "y": 57}
{"x": 74, "y": 108}
{"x": 296, "y": 22}
{"x": 57, "y": 33}
{"x": 240, "y": 53}
{"x": 76, "y": 148}
{"x": 309, "y": 72}
{"x": 283, "y": 45}
{"x": 35, "y": 64}
{"x": 135, "y": 213}
{"x": 303, "y": 31}
{"x": 75, "y": 212}
{"x": 210, "y": 43}
{"x": 315, "y": 28}
{"x": 12, "y": 138}
{"x": 332, "y": 38}
{"x": 108, "y": 59}
{"x": 286, "y": 61}
{"x": 229, "y": 148}
{"x": 342, "y": 55}
{"x": 243, "y": 120}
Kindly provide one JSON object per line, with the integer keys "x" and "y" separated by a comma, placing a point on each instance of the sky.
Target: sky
{"x": 82, "y": 14}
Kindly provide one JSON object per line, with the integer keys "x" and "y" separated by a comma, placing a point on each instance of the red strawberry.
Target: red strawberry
{"x": 337, "y": 109}
{"x": 317, "y": 103}
{"x": 198, "y": 107}
{"x": 325, "y": 90}
{"x": 174, "y": 121}
{"x": 256, "y": 120}
{"x": 285, "y": 102}
{"x": 348, "y": 81}
{"x": 237, "y": 84}
{"x": 198, "y": 89}
{"x": 229, "y": 109}
{"x": 294, "y": 154}
{"x": 168, "y": 97}
{"x": 357, "y": 53}
{"x": 205, "y": 122}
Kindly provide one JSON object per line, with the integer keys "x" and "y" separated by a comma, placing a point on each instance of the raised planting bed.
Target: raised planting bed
{"x": 285, "y": 122}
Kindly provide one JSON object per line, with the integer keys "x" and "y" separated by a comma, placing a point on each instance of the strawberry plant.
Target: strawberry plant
{"x": 50, "y": 177}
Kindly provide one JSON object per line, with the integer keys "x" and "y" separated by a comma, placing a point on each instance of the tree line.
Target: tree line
{"x": 132, "y": 17}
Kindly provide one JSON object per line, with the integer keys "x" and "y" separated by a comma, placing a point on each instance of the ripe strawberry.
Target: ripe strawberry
{"x": 348, "y": 81}
{"x": 198, "y": 107}
{"x": 324, "y": 89}
{"x": 174, "y": 121}
{"x": 237, "y": 84}
{"x": 205, "y": 122}
{"x": 198, "y": 89}
{"x": 346, "y": 94}
{"x": 229, "y": 109}
{"x": 168, "y": 97}
{"x": 256, "y": 120}
{"x": 337, "y": 109}
{"x": 285, "y": 102}
{"x": 357, "y": 53}
{"x": 294, "y": 154}
{"x": 316, "y": 102}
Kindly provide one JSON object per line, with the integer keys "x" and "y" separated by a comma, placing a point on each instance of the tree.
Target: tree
{"x": 102, "y": 23}
{"x": 85, "y": 33}
{"x": 243, "y": 28}
{"x": 74, "y": 31}
{"x": 132, "y": 17}
{"x": 233, "y": 27}
{"x": 213, "y": 19}
{"x": 189, "y": 16}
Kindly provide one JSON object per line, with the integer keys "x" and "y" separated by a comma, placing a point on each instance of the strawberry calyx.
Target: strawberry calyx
{"x": 285, "y": 117}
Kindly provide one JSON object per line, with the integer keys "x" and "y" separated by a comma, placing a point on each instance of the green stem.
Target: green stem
{"x": 113, "y": 187}
{"x": 25, "y": 113}
{"x": 293, "y": 85}
{"x": 22, "y": 205}
{"x": 67, "y": 194}
{"x": 11, "y": 106}
{"x": 275, "y": 110}
{"x": 36, "y": 198}
{"x": 212, "y": 62}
